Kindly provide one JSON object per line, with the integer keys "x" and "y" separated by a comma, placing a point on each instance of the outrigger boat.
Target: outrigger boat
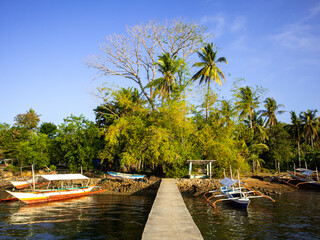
{"x": 240, "y": 195}
{"x": 56, "y": 194}
{"x": 125, "y": 175}
{"x": 305, "y": 177}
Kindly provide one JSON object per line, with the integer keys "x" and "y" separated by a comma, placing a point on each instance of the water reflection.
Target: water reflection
{"x": 91, "y": 217}
{"x": 293, "y": 216}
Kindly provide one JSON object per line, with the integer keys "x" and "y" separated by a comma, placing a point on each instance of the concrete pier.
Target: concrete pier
{"x": 169, "y": 217}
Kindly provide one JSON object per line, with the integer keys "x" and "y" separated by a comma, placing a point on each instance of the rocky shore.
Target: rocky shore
{"x": 188, "y": 187}
{"x": 268, "y": 185}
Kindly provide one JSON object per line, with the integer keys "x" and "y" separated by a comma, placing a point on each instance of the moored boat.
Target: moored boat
{"x": 125, "y": 175}
{"x": 239, "y": 195}
{"x": 67, "y": 189}
{"x": 305, "y": 177}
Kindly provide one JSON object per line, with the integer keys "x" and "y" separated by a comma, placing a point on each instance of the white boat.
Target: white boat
{"x": 239, "y": 195}
{"x": 67, "y": 189}
{"x": 125, "y": 175}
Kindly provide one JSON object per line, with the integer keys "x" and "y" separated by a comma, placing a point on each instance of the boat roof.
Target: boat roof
{"x": 61, "y": 177}
{"x": 307, "y": 172}
{"x": 228, "y": 182}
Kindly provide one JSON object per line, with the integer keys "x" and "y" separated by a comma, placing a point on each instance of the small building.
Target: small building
{"x": 207, "y": 171}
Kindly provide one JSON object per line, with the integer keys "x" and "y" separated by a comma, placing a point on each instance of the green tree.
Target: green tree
{"x": 79, "y": 142}
{"x": 294, "y": 130}
{"x": 50, "y": 129}
{"x": 310, "y": 126}
{"x": 280, "y": 146}
{"x": 209, "y": 70}
{"x": 271, "y": 111}
{"x": 246, "y": 104}
{"x": 35, "y": 151}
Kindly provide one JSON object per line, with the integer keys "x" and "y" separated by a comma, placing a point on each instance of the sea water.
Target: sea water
{"x": 92, "y": 217}
{"x": 294, "y": 215}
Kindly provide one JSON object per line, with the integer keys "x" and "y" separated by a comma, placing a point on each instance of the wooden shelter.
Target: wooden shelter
{"x": 208, "y": 164}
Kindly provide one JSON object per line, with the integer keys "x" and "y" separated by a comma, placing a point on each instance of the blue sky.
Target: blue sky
{"x": 44, "y": 44}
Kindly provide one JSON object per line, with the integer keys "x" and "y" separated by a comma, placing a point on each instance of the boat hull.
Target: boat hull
{"x": 125, "y": 175}
{"x": 49, "y": 196}
{"x": 242, "y": 203}
{"x": 305, "y": 181}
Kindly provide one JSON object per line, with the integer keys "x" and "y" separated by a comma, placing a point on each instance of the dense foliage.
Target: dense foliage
{"x": 168, "y": 118}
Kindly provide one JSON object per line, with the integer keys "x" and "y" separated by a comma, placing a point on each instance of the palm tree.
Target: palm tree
{"x": 169, "y": 67}
{"x": 310, "y": 125}
{"x": 246, "y": 104}
{"x": 227, "y": 111}
{"x": 294, "y": 130}
{"x": 271, "y": 111}
{"x": 209, "y": 70}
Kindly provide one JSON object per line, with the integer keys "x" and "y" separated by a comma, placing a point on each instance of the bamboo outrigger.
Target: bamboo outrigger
{"x": 239, "y": 195}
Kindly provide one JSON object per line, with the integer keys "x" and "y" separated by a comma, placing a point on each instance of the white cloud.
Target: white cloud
{"x": 218, "y": 21}
{"x": 303, "y": 35}
{"x": 239, "y": 24}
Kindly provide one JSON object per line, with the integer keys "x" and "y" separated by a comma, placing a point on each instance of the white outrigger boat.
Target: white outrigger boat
{"x": 239, "y": 195}
{"x": 66, "y": 191}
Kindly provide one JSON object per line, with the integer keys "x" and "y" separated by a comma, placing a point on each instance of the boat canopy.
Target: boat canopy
{"x": 307, "y": 172}
{"x": 63, "y": 177}
{"x": 228, "y": 182}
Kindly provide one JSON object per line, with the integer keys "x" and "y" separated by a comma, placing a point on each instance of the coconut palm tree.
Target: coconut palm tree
{"x": 271, "y": 111}
{"x": 294, "y": 130}
{"x": 247, "y": 103}
{"x": 169, "y": 67}
{"x": 310, "y": 125}
{"x": 209, "y": 69}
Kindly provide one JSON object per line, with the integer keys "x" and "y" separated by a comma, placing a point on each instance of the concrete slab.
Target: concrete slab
{"x": 169, "y": 217}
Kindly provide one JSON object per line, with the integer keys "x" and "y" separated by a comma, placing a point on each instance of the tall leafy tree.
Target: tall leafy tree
{"x": 79, "y": 141}
{"x": 209, "y": 70}
{"x": 270, "y": 112}
{"x": 310, "y": 126}
{"x": 294, "y": 130}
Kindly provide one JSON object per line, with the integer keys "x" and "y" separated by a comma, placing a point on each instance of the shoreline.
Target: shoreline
{"x": 267, "y": 184}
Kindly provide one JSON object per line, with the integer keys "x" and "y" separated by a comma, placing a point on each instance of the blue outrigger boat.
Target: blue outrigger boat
{"x": 125, "y": 175}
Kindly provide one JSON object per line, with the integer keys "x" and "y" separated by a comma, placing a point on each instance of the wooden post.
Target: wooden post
{"x": 34, "y": 183}
{"x": 81, "y": 174}
{"x": 210, "y": 169}
{"x": 190, "y": 168}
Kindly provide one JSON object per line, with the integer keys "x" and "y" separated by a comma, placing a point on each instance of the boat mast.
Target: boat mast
{"x": 239, "y": 182}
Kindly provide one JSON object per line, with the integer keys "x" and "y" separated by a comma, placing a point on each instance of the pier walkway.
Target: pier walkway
{"x": 169, "y": 217}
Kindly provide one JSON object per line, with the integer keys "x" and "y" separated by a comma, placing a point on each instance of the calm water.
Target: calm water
{"x": 294, "y": 215}
{"x": 91, "y": 217}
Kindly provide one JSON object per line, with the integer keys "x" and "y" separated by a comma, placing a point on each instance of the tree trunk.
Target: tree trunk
{"x": 207, "y": 101}
{"x": 299, "y": 155}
